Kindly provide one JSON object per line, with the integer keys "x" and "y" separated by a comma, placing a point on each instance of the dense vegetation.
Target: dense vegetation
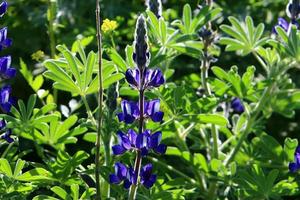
{"x": 171, "y": 99}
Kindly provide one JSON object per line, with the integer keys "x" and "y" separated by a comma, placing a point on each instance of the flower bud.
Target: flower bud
{"x": 141, "y": 54}
{"x": 155, "y": 7}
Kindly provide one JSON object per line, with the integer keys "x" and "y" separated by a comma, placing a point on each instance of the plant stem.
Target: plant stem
{"x": 88, "y": 110}
{"x": 138, "y": 159}
{"x": 250, "y": 123}
{"x": 7, "y": 150}
{"x": 100, "y": 103}
{"x": 204, "y": 75}
{"x": 51, "y": 13}
{"x": 169, "y": 167}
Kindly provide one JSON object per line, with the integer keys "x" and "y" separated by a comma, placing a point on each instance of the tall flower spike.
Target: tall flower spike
{"x": 293, "y": 9}
{"x": 141, "y": 54}
{"x": 155, "y": 6}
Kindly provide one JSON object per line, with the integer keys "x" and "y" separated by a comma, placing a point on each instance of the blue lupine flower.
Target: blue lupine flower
{"x": 283, "y": 24}
{"x": 147, "y": 178}
{"x": 4, "y": 41}
{"x": 122, "y": 173}
{"x": 152, "y": 78}
{"x": 237, "y": 105}
{"x": 144, "y": 142}
{"x": 3, "y": 8}
{"x": 295, "y": 166}
{"x": 2, "y": 124}
{"x": 293, "y": 9}
{"x": 126, "y": 142}
{"x": 152, "y": 110}
{"x": 6, "y": 101}
{"x": 6, "y": 72}
{"x": 7, "y": 136}
{"x": 130, "y": 111}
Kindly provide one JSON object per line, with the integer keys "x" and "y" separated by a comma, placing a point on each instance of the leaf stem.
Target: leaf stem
{"x": 100, "y": 103}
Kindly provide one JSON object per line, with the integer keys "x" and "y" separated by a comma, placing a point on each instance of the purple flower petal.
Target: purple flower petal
{"x": 237, "y": 105}
{"x": 161, "y": 149}
{"x": 147, "y": 178}
{"x": 154, "y": 78}
{"x": 141, "y": 141}
{"x": 130, "y": 112}
{"x": 155, "y": 139}
{"x": 293, "y": 167}
{"x": 124, "y": 140}
{"x": 114, "y": 179}
{"x": 7, "y": 136}
{"x": 133, "y": 77}
{"x": 152, "y": 110}
{"x": 2, "y": 124}
{"x": 127, "y": 184}
{"x": 118, "y": 149}
{"x": 120, "y": 170}
{"x": 132, "y": 136}
{"x": 3, "y": 8}
{"x": 10, "y": 73}
{"x": 149, "y": 182}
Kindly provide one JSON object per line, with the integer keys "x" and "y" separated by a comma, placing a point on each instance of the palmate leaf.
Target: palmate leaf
{"x": 172, "y": 41}
{"x": 75, "y": 75}
{"x": 289, "y": 43}
{"x": 41, "y": 126}
{"x": 64, "y": 165}
{"x": 245, "y": 37}
{"x": 190, "y": 24}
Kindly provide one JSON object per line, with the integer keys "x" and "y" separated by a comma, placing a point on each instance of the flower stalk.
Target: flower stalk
{"x": 100, "y": 103}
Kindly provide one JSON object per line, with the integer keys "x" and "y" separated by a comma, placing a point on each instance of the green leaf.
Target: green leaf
{"x": 71, "y": 62}
{"x": 187, "y": 16}
{"x": 18, "y": 168}
{"x": 212, "y": 119}
{"x": 118, "y": 60}
{"x": 290, "y": 146}
{"x": 5, "y": 167}
{"x": 60, "y": 192}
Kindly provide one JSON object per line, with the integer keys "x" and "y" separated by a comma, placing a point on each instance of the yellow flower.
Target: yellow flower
{"x": 37, "y": 56}
{"x": 108, "y": 25}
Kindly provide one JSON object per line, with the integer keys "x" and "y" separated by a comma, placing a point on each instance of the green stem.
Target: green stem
{"x": 88, "y": 110}
{"x": 112, "y": 41}
{"x": 7, "y": 150}
{"x": 262, "y": 63}
{"x": 100, "y": 103}
{"x": 169, "y": 167}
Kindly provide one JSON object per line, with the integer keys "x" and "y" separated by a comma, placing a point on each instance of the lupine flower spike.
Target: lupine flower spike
{"x": 144, "y": 141}
{"x": 6, "y": 72}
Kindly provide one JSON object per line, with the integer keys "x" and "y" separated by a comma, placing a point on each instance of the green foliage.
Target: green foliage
{"x": 76, "y": 76}
{"x": 246, "y": 38}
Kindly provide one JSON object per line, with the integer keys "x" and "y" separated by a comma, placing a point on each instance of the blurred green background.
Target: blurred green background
{"x": 28, "y": 27}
